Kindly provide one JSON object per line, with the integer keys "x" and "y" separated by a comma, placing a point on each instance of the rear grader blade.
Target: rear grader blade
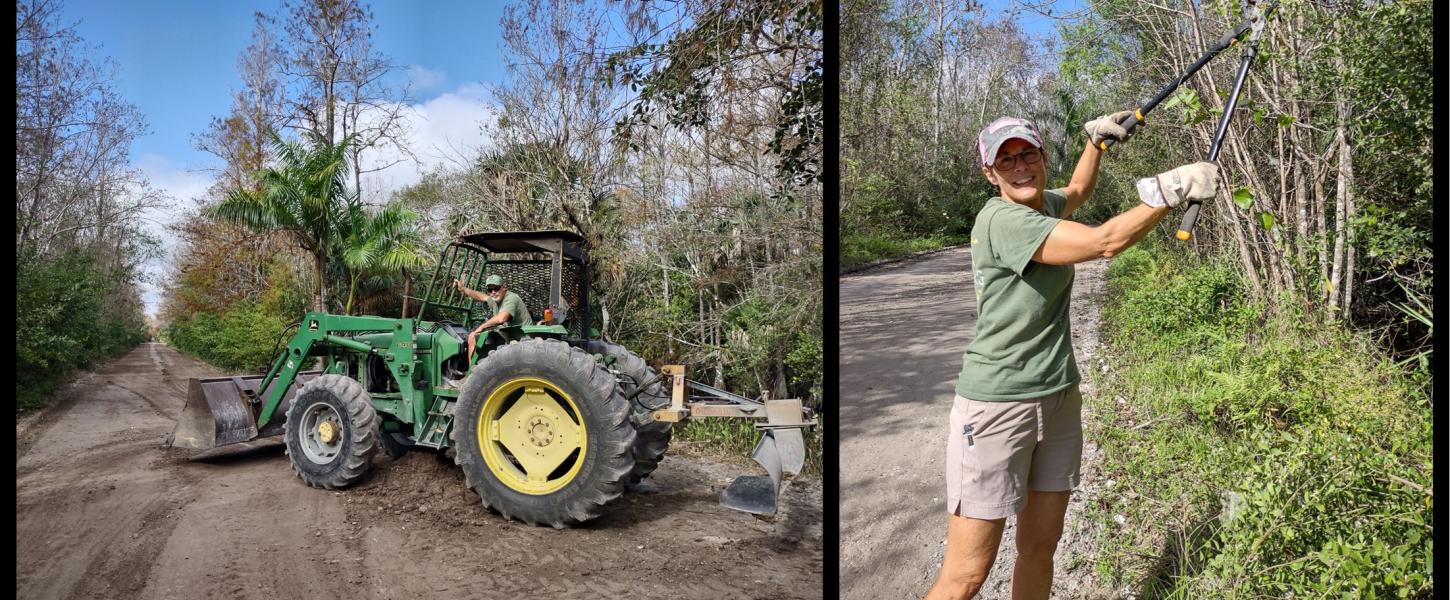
{"x": 781, "y": 450}
{"x": 221, "y": 412}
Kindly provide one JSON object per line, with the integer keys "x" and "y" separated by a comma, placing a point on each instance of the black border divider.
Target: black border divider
{"x": 830, "y": 298}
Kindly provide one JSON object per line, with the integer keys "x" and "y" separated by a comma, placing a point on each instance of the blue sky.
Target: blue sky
{"x": 1037, "y": 24}
{"x": 177, "y": 63}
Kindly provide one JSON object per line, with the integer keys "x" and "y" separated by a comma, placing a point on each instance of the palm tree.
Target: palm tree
{"x": 305, "y": 195}
{"x": 379, "y": 243}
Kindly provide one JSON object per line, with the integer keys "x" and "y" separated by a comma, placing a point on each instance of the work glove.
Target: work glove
{"x": 1197, "y": 182}
{"x": 1107, "y": 128}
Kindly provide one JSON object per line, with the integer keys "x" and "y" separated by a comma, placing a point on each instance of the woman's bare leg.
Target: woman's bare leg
{"x": 1039, "y": 526}
{"x": 971, "y": 550}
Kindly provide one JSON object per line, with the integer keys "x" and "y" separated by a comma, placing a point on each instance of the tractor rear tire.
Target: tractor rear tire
{"x": 339, "y": 453}
{"x": 542, "y": 433}
{"x": 653, "y": 438}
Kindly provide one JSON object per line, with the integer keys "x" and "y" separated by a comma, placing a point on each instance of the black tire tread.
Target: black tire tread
{"x": 653, "y": 438}
{"x": 362, "y": 429}
{"x": 583, "y": 499}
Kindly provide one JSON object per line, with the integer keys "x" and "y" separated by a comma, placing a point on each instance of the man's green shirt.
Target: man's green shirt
{"x": 1023, "y": 344}
{"x": 518, "y": 313}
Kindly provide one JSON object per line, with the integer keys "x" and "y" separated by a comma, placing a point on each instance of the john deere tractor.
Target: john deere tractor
{"x": 548, "y": 421}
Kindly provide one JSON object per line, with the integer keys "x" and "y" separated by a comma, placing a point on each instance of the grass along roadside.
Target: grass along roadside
{"x": 736, "y": 439}
{"x": 1252, "y": 456}
{"x": 863, "y": 248}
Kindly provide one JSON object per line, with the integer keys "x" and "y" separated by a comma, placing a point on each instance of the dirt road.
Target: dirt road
{"x": 903, "y": 329}
{"x": 104, "y": 512}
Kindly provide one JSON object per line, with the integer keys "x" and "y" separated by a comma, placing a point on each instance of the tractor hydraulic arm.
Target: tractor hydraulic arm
{"x": 313, "y": 339}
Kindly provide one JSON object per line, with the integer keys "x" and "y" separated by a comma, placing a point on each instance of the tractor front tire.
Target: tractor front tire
{"x": 653, "y": 438}
{"x": 331, "y": 432}
{"x": 542, "y": 433}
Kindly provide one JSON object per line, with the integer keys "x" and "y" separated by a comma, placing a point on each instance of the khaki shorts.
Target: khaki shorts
{"x": 996, "y": 451}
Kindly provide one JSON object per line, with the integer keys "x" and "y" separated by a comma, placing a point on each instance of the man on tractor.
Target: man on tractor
{"x": 507, "y": 307}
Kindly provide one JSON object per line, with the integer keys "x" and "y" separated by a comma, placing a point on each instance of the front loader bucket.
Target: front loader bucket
{"x": 223, "y": 411}
{"x": 780, "y": 450}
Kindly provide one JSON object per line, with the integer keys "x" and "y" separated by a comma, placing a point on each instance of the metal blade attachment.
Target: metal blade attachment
{"x": 222, "y": 411}
{"x": 779, "y": 451}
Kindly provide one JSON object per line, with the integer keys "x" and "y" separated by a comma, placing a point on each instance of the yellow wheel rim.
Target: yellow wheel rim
{"x": 531, "y": 435}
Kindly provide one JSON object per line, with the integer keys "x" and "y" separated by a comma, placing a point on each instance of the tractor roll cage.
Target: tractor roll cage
{"x": 468, "y": 257}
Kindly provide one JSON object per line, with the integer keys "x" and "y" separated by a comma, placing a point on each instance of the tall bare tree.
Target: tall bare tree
{"x": 338, "y": 85}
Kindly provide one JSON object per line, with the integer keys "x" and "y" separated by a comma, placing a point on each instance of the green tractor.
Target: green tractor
{"x": 548, "y": 421}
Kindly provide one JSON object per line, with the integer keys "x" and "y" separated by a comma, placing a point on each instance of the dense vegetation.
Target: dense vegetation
{"x": 1253, "y": 454}
{"x": 79, "y": 244}
{"x": 63, "y": 323}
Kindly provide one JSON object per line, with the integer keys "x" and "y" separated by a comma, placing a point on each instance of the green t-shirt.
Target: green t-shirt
{"x": 518, "y": 313}
{"x": 1023, "y": 345}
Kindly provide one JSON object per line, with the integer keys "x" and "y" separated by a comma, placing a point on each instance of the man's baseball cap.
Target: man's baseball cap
{"x": 1001, "y": 130}
{"x": 493, "y": 280}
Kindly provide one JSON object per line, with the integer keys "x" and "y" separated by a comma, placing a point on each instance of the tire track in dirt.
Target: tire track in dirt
{"x": 102, "y": 511}
{"x": 903, "y": 329}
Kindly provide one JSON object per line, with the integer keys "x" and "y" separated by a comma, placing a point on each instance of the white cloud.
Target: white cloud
{"x": 441, "y": 131}
{"x": 181, "y": 187}
{"x": 424, "y": 78}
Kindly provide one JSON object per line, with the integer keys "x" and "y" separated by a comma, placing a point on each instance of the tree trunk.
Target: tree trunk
{"x": 351, "y": 289}
{"x": 1346, "y": 170}
{"x": 317, "y": 259}
{"x": 781, "y": 390}
{"x": 407, "y": 290}
{"x": 1321, "y": 209}
{"x": 1341, "y": 200}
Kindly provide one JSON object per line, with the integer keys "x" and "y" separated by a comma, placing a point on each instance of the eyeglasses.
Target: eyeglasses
{"x": 491, "y": 289}
{"x": 1007, "y": 162}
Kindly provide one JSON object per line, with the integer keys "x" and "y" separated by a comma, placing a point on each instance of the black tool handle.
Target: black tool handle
{"x": 1129, "y": 123}
{"x": 1137, "y": 119}
{"x": 1190, "y": 216}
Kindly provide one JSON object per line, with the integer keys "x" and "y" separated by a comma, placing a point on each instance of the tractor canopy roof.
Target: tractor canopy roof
{"x": 570, "y": 243}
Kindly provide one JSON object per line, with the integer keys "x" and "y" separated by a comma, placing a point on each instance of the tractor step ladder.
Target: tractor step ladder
{"x": 440, "y": 418}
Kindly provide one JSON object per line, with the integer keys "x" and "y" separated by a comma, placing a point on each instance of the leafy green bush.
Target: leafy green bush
{"x": 862, "y": 248}
{"x": 240, "y": 339}
{"x": 1320, "y": 514}
{"x": 64, "y": 322}
{"x": 1258, "y": 455}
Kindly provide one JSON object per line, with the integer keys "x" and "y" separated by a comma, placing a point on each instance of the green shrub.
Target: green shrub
{"x": 65, "y": 321}
{"x": 240, "y": 339}
{"x": 861, "y": 248}
{"x": 1259, "y": 456}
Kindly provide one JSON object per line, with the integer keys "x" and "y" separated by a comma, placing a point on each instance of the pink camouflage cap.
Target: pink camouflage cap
{"x": 1001, "y": 130}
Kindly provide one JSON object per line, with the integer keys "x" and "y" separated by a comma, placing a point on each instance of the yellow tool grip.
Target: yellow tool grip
{"x": 1184, "y": 235}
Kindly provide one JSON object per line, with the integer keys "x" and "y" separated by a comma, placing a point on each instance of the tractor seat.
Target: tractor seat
{"x": 457, "y": 330}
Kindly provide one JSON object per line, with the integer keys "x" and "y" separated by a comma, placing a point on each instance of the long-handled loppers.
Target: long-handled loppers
{"x": 1253, "y": 23}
